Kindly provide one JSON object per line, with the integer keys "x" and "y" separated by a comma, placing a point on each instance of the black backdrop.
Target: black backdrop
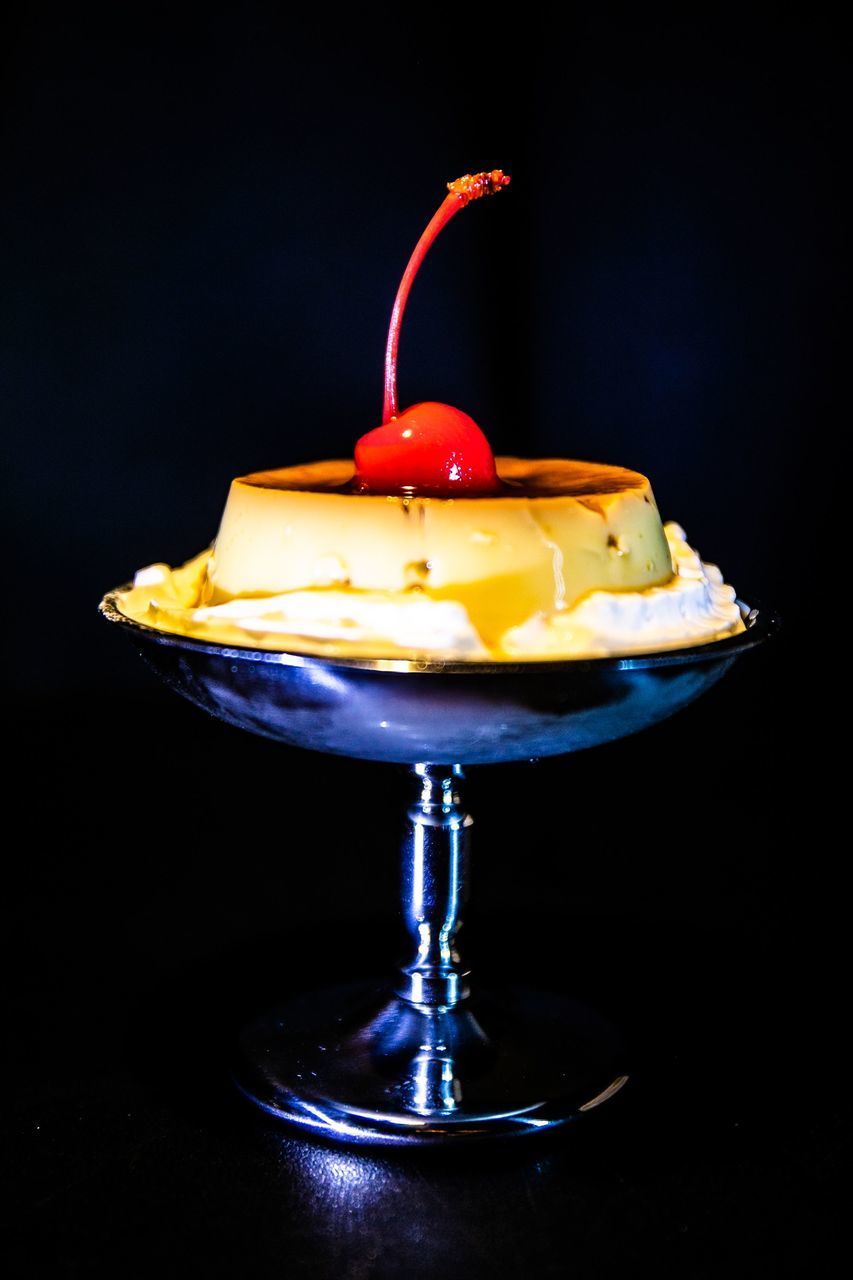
{"x": 204, "y": 222}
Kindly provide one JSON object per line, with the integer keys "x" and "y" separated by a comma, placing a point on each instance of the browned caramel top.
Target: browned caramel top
{"x": 520, "y": 477}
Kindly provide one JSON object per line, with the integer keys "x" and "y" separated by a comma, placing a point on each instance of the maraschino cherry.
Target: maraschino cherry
{"x": 431, "y": 448}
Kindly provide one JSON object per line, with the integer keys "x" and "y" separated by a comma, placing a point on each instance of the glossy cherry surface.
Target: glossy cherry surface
{"x": 430, "y": 448}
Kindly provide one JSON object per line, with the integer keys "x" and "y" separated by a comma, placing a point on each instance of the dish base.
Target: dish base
{"x": 359, "y": 1064}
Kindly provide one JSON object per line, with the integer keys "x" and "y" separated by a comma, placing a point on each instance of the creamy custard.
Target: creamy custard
{"x": 570, "y": 559}
{"x": 557, "y": 530}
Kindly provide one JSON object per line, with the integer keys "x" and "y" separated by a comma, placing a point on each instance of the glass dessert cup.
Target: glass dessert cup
{"x": 429, "y": 1058}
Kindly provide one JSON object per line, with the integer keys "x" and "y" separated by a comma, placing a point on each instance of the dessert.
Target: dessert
{"x": 426, "y": 545}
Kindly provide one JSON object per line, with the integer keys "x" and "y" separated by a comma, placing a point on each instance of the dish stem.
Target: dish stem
{"x": 436, "y": 855}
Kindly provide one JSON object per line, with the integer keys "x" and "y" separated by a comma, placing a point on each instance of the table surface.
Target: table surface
{"x": 173, "y": 875}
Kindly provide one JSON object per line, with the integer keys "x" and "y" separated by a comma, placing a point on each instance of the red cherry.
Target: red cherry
{"x": 432, "y": 448}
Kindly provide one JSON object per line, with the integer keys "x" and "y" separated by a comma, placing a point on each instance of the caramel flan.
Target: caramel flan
{"x": 426, "y": 545}
{"x": 567, "y": 559}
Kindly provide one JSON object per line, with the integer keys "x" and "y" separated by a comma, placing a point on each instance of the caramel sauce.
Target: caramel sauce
{"x": 519, "y": 478}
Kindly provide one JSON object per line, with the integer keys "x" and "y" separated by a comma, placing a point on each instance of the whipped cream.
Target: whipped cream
{"x": 352, "y": 622}
{"x": 408, "y": 622}
{"x": 696, "y": 605}
{"x": 693, "y": 607}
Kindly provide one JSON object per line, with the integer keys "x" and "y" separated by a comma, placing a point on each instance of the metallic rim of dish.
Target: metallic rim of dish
{"x": 760, "y": 624}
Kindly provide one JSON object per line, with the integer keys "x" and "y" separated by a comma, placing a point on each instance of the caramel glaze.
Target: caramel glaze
{"x": 537, "y": 546}
{"x": 519, "y": 477}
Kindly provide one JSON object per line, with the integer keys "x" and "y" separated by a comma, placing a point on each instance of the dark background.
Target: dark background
{"x": 203, "y": 224}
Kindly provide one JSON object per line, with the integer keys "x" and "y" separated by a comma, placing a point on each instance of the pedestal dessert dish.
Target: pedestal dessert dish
{"x": 430, "y": 605}
{"x": 429, "y": 1057}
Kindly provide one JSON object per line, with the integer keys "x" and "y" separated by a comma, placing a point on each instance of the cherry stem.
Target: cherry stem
{"x": 461, "y": 192}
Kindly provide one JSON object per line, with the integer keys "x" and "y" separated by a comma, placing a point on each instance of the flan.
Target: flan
{"x": 558, "y": 530}
{"x": 567, "y": 559}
